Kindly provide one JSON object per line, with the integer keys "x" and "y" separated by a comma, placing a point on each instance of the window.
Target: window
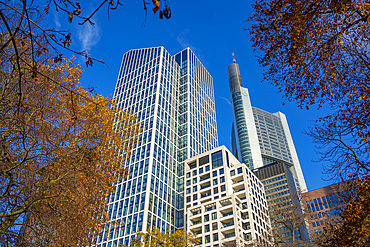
{"x": 240, "y": 170}
{"x": 215, "y": 182}
{"x": 204, "y": 160}
{"x": 188, "y": 191}
{"x": 222, "y": 179}
{"x": 206, "y": 228}
{"x": 195, "y": 197}
{"x": 195, "y": 173}
{"x": 188, "y": 175}
{"x": 195, "y": 188}
{"x": 188, "y": 182}
{"x": 207, "y": 168}
{"x": 222, "y": 171}
{"x": 214, "y": 174}
{"x": 214, "y": 216}
{"x": 194, "y": 180}
{"x": 215, "y": 190}
{"x": 207, "y": 239}
{"x": 200, "y": 170}
{"x": 206, "y": 218}
{"x": 215, "y": 237}
{"x": 232, "y": 173}
{"x": 223, "y": 188}
{"x": 217, "y": 159}
{"x": 214, "y": 226}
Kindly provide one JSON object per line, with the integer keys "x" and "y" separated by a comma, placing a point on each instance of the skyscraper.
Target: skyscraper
{"x": 174, "y": 100}
{"x": 262, "y": 141}
{"x": 258, "y": 137}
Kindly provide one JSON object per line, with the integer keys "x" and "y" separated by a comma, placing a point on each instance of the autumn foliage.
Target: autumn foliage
{"x": 59, "y": 153}
{"x": 353, "y": 228}
{"x": 318, "y": 53}
{"x": 156, "y": 238}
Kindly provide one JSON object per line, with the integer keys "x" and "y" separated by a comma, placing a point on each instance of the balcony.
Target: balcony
{"x": 196, "y": 212}
{"x": 227, "y": 214}
{"x": 247, "y": 226}
{"x": 205, "y": 194}
{"x": 245, "y": 216}
{"x": 205, "y": 177}
{"x": 229, "y": 235}
{"x": 239, "y": 189}
{"x": 211, "y": 208}
{"x": 224, "y": 225}
{"x": 225, "y": 203}
{"x": 238, "y": 181}
{"x": 205, "y": 186}
{"x": 193, "y": 223}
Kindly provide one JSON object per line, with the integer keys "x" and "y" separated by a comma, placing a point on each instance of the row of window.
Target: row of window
{"x": 161, "y": 209}
{"x": 128, "y": 188}
{"x": 129, "y": 225}
{"x": 208, "y": 176}
{"x": 126, "y": 206}
{"x": 329, "y": 201}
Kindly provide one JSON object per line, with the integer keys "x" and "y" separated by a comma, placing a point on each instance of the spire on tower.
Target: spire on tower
{"x": 234, "y": 58}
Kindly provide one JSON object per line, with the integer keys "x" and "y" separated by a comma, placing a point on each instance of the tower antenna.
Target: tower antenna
{"x": 234, "y": 58}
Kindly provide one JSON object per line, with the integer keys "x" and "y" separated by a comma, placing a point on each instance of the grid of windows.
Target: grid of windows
{"x": 271, "y": 136}
{"x": 212, "y": 204}
{"x": 160, "y": 90}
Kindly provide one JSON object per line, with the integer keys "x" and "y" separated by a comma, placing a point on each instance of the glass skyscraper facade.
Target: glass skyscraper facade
{"x": 263, "y": 141}
{"x": 174, "y": 101}
{"x": 258, "y": 137}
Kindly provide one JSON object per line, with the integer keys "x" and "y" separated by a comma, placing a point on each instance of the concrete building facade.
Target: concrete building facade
{"x": 225, "y": 202}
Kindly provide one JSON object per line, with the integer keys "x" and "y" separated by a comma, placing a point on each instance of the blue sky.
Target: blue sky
{"x": 213, "y": 30}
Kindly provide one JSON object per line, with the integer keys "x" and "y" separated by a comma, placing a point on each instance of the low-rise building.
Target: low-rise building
{"x": 324, "y": 204}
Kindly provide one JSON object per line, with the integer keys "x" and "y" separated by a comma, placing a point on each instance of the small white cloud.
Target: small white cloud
{"x": 56, "y": 19}
{"x": 184, "y": 42}
{"x": 227, "y": 101}
{"x": 89, "y": 35}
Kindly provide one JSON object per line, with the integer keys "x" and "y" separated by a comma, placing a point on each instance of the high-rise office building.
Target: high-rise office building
{"x": 262, "y": 141}
{"x": 174, "y": 100}
{"x": 258, "y": 137}
{"x": 225, "y": 201}
{"x": 284, "y": 202}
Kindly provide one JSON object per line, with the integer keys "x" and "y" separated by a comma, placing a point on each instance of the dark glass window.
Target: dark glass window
{"x": 204, "y": 160}
{"x": 325, "y": 204}
{"x": 217, "y": 159}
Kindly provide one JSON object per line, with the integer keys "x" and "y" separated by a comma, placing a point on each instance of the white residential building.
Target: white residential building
{"x": 225, "y": 202}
